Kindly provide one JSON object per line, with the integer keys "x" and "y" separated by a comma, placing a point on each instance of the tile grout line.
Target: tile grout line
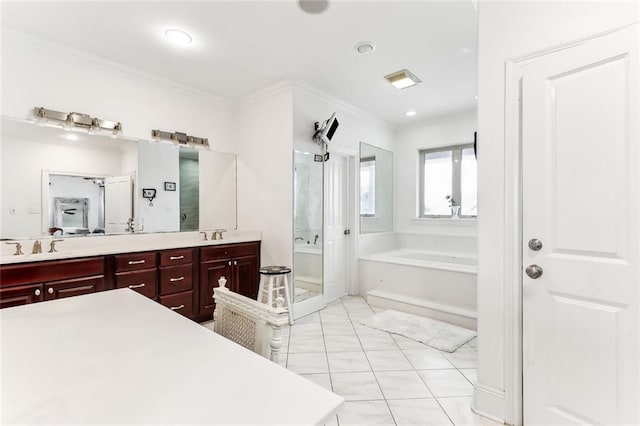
{"x": 373, "y": 372}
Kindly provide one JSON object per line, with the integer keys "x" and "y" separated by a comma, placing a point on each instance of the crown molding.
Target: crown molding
{"x": 305, "y": 88}
{"x": 267, "y": 92}
{"x": 59, "y": 50}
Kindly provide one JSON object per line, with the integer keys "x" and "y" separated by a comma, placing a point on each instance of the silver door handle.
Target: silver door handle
{"x": 37, "y": 292}
{"x": 535, "y": 244}
{"x": 533, "y": 271}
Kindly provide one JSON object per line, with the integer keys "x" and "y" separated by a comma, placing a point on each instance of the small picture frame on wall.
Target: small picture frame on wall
{"x": 169, "y": 186}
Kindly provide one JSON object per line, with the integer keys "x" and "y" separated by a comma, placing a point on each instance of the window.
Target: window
{"x": 368, "y": 187}
{"x": 445, "y": 173}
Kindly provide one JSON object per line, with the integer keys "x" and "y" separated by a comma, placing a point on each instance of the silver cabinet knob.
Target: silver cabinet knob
{"x": 37, "y": 292}
{"x": 533, "y": 271}
{"x": 50, "y": 290}
{"x": 535, "y": 244}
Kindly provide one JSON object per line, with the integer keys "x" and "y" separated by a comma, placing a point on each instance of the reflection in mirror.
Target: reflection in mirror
{"x": 37, "y": 161}
{"x": 307, "y": 210}
{"x": 76, "y": 204}
{"x": 376, "y": 189}
{"x": 189, "y": 189}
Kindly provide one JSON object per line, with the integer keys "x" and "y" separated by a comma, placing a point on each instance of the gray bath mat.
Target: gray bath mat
{"x": 437, "y": 334}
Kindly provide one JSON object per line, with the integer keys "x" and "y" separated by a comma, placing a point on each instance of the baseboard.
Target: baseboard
{"x": 414, "y": 305}
{"x": 488, "y": 402}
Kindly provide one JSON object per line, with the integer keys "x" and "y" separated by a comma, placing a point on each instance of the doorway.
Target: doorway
{"x": 579, "y": 252}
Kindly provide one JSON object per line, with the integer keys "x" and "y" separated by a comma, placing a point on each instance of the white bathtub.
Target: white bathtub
{"x": 435, "y": 284}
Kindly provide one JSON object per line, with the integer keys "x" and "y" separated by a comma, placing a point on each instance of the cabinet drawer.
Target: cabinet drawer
{"x": 176, "y": 257}
{"x": 229, "y": 251}
{"x": 133, "y": 261}
{"x": 20, "y": 295}
{"x": 179, "y": 302}
{"x": 174, "y": 279}
{"x": 39, "y": 272}
{"x": 144, "y": 282}
{"x": 73, "y": 287}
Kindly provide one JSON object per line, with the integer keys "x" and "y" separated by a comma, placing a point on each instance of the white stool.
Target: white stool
{"x": 273, "y": 280}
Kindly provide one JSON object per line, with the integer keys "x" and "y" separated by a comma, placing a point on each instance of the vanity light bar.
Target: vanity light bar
{"x": 71, "y": 120}
{"x": 181, "y": 138}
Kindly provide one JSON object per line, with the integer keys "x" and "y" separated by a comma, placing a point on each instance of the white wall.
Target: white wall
{"x": 159, "y": 163}
{"x": 509, "y": 30}
{"x": 454, "y": 129}
{"x": 36, "y": 72}
{"x": 264, "y": 134}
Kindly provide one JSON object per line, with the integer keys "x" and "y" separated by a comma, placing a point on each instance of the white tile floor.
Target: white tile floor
{"x": 385, "y": 379}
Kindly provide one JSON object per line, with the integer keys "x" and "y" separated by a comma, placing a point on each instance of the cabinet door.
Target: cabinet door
{"x": 210, "y": 272}
{"x": 73, "y": 287}
{"x": 245, "y": 276}
{"x": 20, "y": 295}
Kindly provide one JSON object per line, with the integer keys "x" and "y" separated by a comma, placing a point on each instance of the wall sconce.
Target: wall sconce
{"x": 76, "y": 120}
{"x": 181, "y": 138}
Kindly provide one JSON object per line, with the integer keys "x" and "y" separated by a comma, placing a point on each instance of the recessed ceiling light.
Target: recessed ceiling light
{"x": 313, "y": 6}
{"x": 402, "y": 79}
{"x": 365, "y": 47}
{"x": 178, "y": 37}
{"x": 410, "y": 113}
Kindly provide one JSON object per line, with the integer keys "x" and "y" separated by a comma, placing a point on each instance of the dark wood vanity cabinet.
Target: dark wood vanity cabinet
{"x": 237, "y": 263}
{"x": 181, "y": 279}
{"x": 34, "y": 282}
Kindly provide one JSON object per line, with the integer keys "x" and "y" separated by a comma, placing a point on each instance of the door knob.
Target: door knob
{"x": 533, "y": 271}
{"x": 535, "y": 244}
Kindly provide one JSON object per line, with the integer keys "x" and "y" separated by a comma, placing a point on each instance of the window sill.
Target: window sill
{"x": 465, "y": 221}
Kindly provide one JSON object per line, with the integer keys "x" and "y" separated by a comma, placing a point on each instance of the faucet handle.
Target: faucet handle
{"x": 37, "y": 247}
{"x": 204, "y": 234}
{"x": 52, "y": 246}
{"x": 220, "y": 232}
{"x": 18, "y": 248}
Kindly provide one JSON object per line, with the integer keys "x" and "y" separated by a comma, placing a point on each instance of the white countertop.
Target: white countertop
{"x": 77, "y": 247}
{"x": 116, "y": 357}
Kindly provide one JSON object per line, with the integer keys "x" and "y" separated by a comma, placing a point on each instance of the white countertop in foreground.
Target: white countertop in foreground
{"x": 116, "y": 357}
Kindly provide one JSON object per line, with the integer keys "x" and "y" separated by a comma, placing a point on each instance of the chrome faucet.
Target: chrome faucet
{"x": 18, "y": 248}
{"x": 52, "y": 246}
{"x": 37, "y": 247}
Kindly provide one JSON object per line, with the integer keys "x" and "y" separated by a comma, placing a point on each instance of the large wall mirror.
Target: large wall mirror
{"x": 376, "y": 189}
{"x": 68, "y": 183}
{"x": 307, "y": 219}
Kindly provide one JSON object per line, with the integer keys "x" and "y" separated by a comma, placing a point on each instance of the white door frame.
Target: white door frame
{"x": 352, "y": 213}
{"x": 513, "y": 342}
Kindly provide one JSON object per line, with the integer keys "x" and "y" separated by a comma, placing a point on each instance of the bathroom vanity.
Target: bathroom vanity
{"x": 181, "y": 278}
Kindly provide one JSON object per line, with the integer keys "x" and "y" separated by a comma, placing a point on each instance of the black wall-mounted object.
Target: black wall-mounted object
{"x": 169, "y": 186}
{"x": 149, "y": 194}
{"x": 475, "y": 144}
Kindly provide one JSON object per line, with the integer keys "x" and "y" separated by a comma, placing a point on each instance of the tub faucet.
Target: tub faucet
{"x": 37, "y": 247}
{"x": 315, "y": 240}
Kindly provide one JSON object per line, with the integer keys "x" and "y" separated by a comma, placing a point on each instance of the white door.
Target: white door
{"x": 336, "y": 247}
{"x": 581, "y": 186}
{"x": 118, "y": 203}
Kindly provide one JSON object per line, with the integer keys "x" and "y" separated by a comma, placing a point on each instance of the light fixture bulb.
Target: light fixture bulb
{"x": 410, "y": 113}
{"x": 69, "y": 122}
{"x": 41, "y": 117}
{"x": 95, "y": 126}
{"x": 178, "y": 37}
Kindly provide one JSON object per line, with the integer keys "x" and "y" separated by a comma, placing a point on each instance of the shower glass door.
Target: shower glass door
{"x": 307, "y": 231}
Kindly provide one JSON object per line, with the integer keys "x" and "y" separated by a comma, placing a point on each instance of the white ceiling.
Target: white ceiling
{"x": 240, "y": 47}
